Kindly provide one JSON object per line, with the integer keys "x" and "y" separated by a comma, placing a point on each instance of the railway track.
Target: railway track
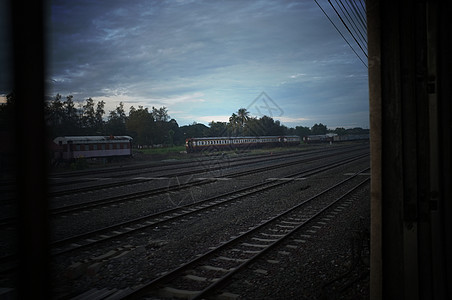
{"x": 117, "y": 231}
{"x": 166, "y": 189}
{"x": 182, "y": 170}
{"x": 158, "y": 219}
{"x": 6, "y": 222}
{"x": 93, "y": 238}
{"x": 174, "y": 165}
{"x": 210, "y": 271}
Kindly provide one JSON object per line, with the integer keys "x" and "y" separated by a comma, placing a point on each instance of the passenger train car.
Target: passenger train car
{"x": 232, "y": 143}
{"x": 71, "y": 147}
{"x": 334, "y": 138}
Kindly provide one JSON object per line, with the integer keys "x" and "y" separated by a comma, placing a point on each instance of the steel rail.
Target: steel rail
{"x": 152, "y": 285}
{"x": 180, "y": 212}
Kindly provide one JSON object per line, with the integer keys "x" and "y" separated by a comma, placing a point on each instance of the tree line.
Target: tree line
{"x": 65, "y": 117}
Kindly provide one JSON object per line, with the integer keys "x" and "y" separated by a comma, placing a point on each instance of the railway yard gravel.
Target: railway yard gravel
{"x": 302, "y": 274}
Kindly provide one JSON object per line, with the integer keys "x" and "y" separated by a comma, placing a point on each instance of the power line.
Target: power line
{"x": 359, "y": 14}
{"x": 352, "y": 23}
{"x": 342, "y": 20}
{"x": 355, "y": 17}
{"x": 341, "y": 34}
{"x": 362, "y": 5}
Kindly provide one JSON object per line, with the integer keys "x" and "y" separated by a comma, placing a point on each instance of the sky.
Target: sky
{"x": 203, "y": 60}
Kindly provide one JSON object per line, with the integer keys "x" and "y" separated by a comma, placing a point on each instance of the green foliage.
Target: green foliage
{"x": 302, "y": 131}
{"x": 155, "y": 127}
{"x": 116, "y": 123}
{"x": 140, "y": 125}
{"x": 217, "y": 129}
{"x": 319, "y": 129}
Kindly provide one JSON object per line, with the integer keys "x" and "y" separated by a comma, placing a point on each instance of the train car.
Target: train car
{"x": 232, "y": 143}
{"x": 72, "y": 147}
{"x": 351, "y": 137}
{"x": 320, "y": 138}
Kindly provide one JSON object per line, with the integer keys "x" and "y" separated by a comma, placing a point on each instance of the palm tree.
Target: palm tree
{"x": 243, "y": 116}
{"x": 234, "y": 124}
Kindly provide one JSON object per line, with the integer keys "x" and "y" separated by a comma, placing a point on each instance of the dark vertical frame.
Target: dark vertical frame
{"x": 27, "y": 18}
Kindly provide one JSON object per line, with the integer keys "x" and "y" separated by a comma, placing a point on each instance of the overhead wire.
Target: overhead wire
{"x": 355, "y": 17}
{"x": 342, "y": 20}
{"x": 359, "y": 14}
{"x": 363, "y": 6}
{"x": 337, "y": 29}
{"x": 352, "y": 23}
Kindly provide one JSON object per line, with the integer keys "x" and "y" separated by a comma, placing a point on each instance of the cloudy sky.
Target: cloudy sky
{"x": 204, "y": 60}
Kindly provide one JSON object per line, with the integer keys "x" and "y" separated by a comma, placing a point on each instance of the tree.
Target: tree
{"x": 217, "y": 129}
{"x": 254, "y": 127}
{"x": 99, "y": 123}
{"x": 319, "y": 129}
{"x": 139, "y": 125}
{"x": 161, "y": 114}
{"x": 234, "y": 125}
{"x": 88, "y": 117}
{"x": 242, "y": 116}
{"x": 302, "y": 131}
{"x": 55, "y": 115}
{"x": 190, "y": 131}
{"x": 116, "y": 123}
{"x": 71, "y": 124}
{"x": 340, "y": 131}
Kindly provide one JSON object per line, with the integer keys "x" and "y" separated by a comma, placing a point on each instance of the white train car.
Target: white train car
{"x": 231, "y": 143}
{"x": 72, "y": 147}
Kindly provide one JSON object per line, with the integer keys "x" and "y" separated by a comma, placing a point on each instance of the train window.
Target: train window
{"x": 103, "y": 146}
{"x": 77, "y": 147}
{"x": 110, "y": 146}
{"x": 94, "y": 147}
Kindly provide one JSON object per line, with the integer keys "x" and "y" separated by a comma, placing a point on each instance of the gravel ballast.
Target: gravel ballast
{"x": 305, "y": 273}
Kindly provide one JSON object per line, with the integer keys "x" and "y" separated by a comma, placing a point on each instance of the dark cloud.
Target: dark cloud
{"x": 190, "y": 55}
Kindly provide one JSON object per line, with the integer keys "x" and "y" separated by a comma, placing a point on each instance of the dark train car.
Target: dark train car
{"x": 351, "y": 137}
{"x": 320, "y": 138}
{"x": 231, "y": 143}
{"x": 72, "y": 147}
